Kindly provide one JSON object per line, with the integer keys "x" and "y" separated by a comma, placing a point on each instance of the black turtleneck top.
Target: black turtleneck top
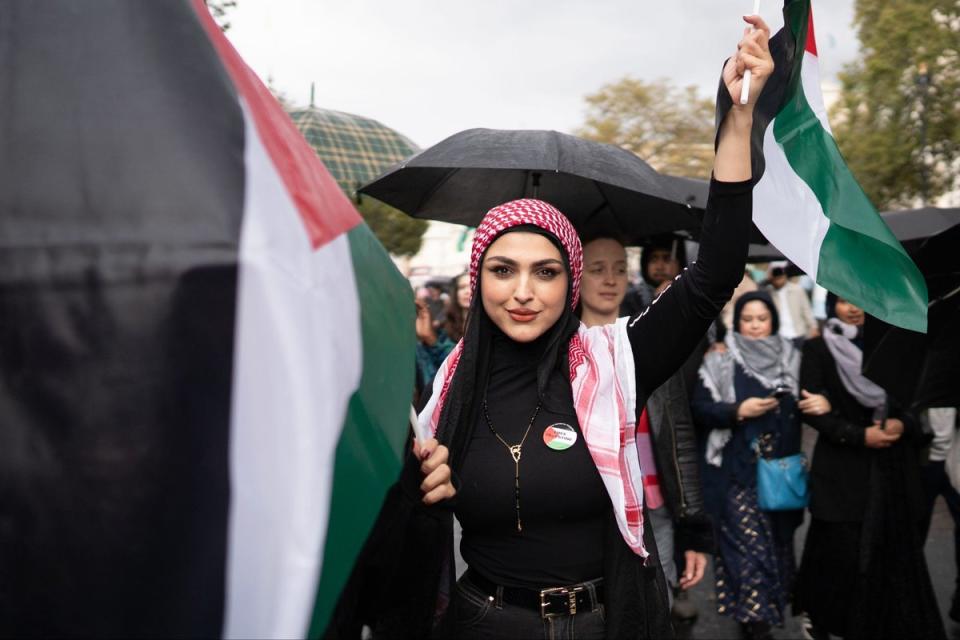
{"x": 563, "y": 503}
{"x": 562, "y": 498}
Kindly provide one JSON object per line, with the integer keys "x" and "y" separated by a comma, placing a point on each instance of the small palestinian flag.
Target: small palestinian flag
{"x": 206, "y": 358}
{"x": 807, "y": 202}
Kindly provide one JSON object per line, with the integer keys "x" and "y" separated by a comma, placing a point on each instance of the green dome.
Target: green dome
{"x": 354, "y": 149}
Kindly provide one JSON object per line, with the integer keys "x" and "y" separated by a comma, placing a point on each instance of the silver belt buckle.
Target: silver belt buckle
{"x": 571, "y": 595}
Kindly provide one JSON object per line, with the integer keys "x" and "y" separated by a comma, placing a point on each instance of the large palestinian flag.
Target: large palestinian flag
{"x": 206, "y": 359}
{"x": 807, "y": 202}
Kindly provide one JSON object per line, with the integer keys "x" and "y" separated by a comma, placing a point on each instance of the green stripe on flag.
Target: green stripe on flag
{"x": 369, "y": 454}
{"x": 860, "y": 259}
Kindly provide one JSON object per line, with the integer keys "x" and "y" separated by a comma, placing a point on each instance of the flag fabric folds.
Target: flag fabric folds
{"x": 206, "y": 358}
{"x": 807, "y": 202}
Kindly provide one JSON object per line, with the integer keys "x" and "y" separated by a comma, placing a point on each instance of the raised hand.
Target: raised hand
{"x": 732, "y": 162}
{"x": 753, "y": 53}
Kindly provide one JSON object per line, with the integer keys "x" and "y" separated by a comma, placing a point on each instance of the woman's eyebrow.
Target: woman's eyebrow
{"x": 541, "y": 263}
{"x": 513, "y": 263}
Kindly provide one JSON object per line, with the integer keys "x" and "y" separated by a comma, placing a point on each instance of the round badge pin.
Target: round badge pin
{"x": 559, "y": 436}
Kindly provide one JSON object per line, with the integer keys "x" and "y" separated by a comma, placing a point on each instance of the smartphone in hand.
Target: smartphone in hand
{"x": 779, "y": 392}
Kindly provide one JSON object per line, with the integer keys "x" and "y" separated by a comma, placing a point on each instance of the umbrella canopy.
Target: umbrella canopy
{"x": 354, "y": 149}
{"x": 694, "y": 192}
{"x": 599, "y": 187}
{"x": 913, "y": 226}
{"x": 921, "y": 370}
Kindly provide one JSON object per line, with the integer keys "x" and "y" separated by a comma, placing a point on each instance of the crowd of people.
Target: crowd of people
{"x": 744, "y": 394}
{"x": 597, "y": 442}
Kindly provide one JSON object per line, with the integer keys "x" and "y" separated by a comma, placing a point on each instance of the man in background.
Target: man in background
{"x": 660, "y": 262}
{"x": 793, "y": 306}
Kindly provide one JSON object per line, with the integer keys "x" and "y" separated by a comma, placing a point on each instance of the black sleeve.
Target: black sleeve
{"x": 813, "y": 378}
{"x": 664, "y": 334}
{"x": 694, "y": 534}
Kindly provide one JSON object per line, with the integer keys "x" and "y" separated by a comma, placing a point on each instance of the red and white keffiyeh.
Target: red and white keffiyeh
{"x": 601, "y": 372}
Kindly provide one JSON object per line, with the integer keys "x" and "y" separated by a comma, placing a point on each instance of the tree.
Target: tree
{"x": 400, "y": 234}
{"x": 670, "y": 128}
{"x": 897, "y": 121}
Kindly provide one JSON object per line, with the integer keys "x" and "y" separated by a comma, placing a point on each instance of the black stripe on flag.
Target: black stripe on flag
{"x": 121, "y": 155}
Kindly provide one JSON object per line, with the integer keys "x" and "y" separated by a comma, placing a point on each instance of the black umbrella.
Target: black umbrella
{"x": 598, "y": 186}
{"x": 914, "y": 226}
{"x": 694, "y": 192}
{"x": 923, "y": 370}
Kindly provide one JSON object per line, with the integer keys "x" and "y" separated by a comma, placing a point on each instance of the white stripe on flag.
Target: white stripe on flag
{"x": 810, "y": 80}
{"x": 785, "y": 208}
{"x": 297, "y": 362}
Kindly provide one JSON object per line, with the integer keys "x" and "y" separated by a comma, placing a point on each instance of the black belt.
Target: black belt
{"x": 558, "y": 601}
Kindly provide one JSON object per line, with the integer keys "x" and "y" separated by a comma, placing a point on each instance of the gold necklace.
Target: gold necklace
{"x": 515, "y": 450}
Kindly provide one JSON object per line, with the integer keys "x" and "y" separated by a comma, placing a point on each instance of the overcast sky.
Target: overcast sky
{"x": 430, "y": 68}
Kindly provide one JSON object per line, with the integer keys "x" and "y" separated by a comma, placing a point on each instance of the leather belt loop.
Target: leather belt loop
{"x": 594, "y": 600}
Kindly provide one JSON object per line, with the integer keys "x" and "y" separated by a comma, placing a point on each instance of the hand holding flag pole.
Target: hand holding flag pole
{"x": 745, "y": 90}
{"x": 833, "y": 233}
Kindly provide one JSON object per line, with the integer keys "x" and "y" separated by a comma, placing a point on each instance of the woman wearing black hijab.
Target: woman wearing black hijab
{"x": 529, "y": 433}
{"x": 863, "y": 573}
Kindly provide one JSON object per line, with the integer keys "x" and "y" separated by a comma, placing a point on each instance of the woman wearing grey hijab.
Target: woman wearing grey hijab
{"x": 750, "y": 393}
{"x": 863, "y": 573}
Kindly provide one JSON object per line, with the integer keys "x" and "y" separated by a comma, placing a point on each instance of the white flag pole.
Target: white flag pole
{"x": 745, "y": 88}
{"x": 415, "y": 425}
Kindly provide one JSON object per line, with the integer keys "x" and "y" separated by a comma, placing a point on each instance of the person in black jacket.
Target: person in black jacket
{"x": 528, "y": 435}
{"x": 665, "y": 437}
{"x": 863, "y": 572}
{"x": 662, "y": 258}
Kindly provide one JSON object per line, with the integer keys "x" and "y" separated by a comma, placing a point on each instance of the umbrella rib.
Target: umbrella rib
{"x": 556, "y": 142}
{"x": 944, "y": 297}
{"x": 605, "y": 202}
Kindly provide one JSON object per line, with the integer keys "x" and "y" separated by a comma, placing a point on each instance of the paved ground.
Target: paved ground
{"x": 939, "y": 551}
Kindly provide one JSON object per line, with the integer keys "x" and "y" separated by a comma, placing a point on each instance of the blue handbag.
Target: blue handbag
{"x": 782, "y": 483}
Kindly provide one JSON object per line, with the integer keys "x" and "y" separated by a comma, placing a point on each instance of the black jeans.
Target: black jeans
{"x": 480, "y": 615}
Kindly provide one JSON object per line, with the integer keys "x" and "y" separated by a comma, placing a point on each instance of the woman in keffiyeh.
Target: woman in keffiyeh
{"x": 529, "y": 433}
{"x": 750, "y": 397}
